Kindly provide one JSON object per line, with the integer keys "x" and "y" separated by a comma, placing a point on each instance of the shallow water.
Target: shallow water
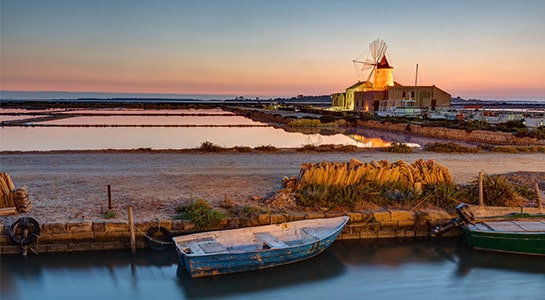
{"x": 444, "y": 269}
{"x": 161, "y": 129}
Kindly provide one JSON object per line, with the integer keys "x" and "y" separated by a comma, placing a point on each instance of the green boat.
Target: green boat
{"x": 521, "y": 237}
{"x": 510, "y": 234}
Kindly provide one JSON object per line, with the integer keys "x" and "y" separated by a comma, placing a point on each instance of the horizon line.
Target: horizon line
{"x": 193, "y": 96}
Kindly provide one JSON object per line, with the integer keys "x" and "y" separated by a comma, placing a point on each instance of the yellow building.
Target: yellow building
{"x": 366, "y": 96}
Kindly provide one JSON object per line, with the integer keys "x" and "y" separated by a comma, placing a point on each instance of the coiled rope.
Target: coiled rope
{"x": 154, "y": 243}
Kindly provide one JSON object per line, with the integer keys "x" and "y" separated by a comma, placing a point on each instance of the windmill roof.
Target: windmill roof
{"x": 383, "y": 64}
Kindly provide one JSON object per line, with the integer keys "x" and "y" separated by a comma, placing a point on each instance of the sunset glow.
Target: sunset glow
{"x": 473, "y": 49}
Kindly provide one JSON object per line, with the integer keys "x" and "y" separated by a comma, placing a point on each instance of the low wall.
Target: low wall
{"x": 476, "y": 136}
{"x": 114, "y": 234}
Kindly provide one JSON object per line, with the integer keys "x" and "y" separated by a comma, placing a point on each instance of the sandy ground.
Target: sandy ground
{"x": 73, "y": 186}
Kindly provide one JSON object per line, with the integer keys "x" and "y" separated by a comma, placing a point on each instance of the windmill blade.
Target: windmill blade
{"x": 373, "y": 49}
{"x": 382, "y": 52}
{"x": 369, "y": 61}
{"x": 371, "y": 74}
{"x": 378, "y": 48}
{"x": 367, "y": 66}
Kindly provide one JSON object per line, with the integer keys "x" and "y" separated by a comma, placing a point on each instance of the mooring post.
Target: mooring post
{"x": 538, "y": 197}
{"x": 131, "y": 230}
{"x": 481, "y": 193}
{"x": 109, "y": 197}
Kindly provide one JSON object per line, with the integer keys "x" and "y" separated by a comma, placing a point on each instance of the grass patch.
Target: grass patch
{"x": 110, "y": 214}
{"x": 450, "y": 148}
{"x": 248, "y": 211}
{"x": 517, "y": 149}
{"x": 328, "y": 148}
{"x": 201, "y": 214}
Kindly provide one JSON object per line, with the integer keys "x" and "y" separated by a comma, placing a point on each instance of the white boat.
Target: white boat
{"x": 253, "y": 248}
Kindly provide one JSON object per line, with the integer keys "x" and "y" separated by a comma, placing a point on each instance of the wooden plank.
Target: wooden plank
{"x": 270, "y": 240}
{"x": 512, "y": 226}
{"x": 8, "y": 211}
{"x": 532, "y": 226}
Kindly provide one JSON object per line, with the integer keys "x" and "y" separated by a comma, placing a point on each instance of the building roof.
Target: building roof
{"x": 397, "y": 84}
{"x": 359, "y": 83}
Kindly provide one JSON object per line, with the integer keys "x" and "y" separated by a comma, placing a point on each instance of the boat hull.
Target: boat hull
{"x": 229, "y": 262}
{"x": 532, "y": 243}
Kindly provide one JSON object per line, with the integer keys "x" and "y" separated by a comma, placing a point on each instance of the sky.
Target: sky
{"x": 483, "y": 49}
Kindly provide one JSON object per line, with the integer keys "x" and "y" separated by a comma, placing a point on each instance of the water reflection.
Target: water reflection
{"x": 389, "y": 269}
{"x": 162, "y": 129}
{"x": 82, "y": 138}
{"x": 324, "y": 267}
{"x": 157, "y": 121}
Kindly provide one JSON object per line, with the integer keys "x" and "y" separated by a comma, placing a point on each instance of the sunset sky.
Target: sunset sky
{"x": 487, "y": 49}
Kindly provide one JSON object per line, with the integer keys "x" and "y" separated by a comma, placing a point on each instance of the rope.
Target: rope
{"x": 152, "y": 239}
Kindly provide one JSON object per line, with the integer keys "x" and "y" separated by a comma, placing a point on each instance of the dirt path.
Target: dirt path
{"x": 73, "y": 186}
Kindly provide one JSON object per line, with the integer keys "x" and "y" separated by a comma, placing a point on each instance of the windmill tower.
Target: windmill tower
{"x": 381, "y": 71}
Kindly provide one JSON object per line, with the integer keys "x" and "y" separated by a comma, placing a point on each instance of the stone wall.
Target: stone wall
{"x": 114, "y": 234}
{"x": 476, "y": 136}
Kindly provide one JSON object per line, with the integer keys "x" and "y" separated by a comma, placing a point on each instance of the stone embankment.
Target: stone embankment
{"x": 475, "y": 136}
{"x": 115, "y": 234}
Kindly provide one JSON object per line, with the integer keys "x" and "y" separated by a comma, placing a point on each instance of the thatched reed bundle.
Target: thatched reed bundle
{"x": 417, "y": 174}
{"x": 11, "y": 197}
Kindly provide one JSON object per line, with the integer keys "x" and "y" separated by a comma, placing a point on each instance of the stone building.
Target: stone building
{"x": 366, "y": 96}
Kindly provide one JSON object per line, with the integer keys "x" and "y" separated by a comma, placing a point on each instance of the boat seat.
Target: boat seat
{"x": 194, "y": 248}
{"x": 270, "y": 240}
{"x": 206, "y": 246}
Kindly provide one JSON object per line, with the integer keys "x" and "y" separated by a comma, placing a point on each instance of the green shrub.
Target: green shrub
{"x": 201, "y": 214}
{"x": 497, "y": 191}
{"x": 396, "y": 194}
{"x": 327, "y": 119}
{"x": 450, "y": 147}
{"x": 242, "y": 149}
{"x": 267, "y": 148}
{"x": 210, "y": 147}
{"x": 510, "y": 126}
{"x": 399, "y": 148}
{"x": 443, "y": 195}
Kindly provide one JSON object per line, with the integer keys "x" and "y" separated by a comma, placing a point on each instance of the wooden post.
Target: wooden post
{"x": 109, "y": 197}
{"x": 131, "y": 230}
{"x": 538, "y": 197}
{"x": 481, "y": 192}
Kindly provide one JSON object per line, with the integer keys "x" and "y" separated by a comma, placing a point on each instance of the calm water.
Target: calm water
{"x": 170, "y": 129}
{"x": 210, "y": 125}
{"x": 444, "y": 269}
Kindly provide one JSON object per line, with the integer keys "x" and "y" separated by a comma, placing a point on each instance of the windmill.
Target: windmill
{"x": 378, "y": 50}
